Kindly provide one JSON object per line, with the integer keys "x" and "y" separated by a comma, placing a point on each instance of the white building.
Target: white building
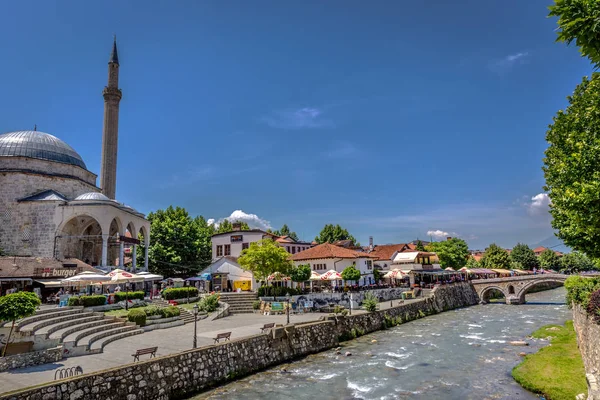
{"x": 414, "y": 261}
{"x": 325, "y": 257}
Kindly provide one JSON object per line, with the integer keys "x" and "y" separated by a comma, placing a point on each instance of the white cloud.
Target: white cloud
{"x": 342, "y": 150}
{"x": 540, "y": 204}
{"x": 507, "y": 63}
{"x": 438, "y": 234}
{"x": 253, "y": 220}
{"x": 301, "y": 118}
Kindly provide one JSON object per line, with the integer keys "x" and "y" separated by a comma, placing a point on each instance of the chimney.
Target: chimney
{"x": 449, "y": 238}
{"x": 371, "y": 242}
{"x": 236, "y": 226}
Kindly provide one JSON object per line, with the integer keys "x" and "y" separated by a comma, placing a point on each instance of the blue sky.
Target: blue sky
{"x": 392, "y": 118}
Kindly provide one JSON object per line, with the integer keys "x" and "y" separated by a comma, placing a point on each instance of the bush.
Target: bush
{"x": 209, "y": 303}
{"x": 137, "y": 316}
{"x": 276, "y": 291}
{"x": 169, "y": 312}
{"x": 580, "y": 289}
{"x": 370, "y": 302}
{"x": 122, "y": 296}
{"x": 179, "y": 293}
{"x": 256, "y": 304}
{"x": 87, "y": 301}
{"x": 151, "y": 310}
{"x": 593, "y": 307}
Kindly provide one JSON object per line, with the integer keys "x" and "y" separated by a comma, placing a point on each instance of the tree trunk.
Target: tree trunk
{"x": 8, "y": 338}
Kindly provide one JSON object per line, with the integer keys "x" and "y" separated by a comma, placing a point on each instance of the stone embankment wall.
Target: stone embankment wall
{"x": 32, "y": 358}
{"x": 344, "y": 298}
{"x": 588, "y": 340}
{"x": 183, "y": 374}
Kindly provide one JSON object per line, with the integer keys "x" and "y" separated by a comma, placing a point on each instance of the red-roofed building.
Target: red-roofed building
{"x": 326, "y": 256}
{"x": 384, "y": 253}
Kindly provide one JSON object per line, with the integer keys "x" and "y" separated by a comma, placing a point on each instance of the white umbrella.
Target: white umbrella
{"x": 120, "y": 276}
{"x": 395, "y": 274}
{"x": 314, "y": 276}
{"x": 277, "y": 277}
{"x": 87, "y": 276}
{"x": 331, "y": 275}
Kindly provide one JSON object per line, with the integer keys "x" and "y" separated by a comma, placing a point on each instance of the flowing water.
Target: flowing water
{"x": 460, "y": 354}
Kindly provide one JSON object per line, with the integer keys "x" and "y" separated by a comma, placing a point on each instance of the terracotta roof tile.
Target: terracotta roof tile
{"x": 327, "y": 250}
{"x": 26, "y": 267}
{"x": 386, "y": 251}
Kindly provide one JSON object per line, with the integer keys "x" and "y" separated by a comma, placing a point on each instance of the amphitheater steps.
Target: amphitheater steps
{"x": 37, "y": 325}
{"x": 101, "y": 343}
{"x": 46, "y": 315}
{"x": 239, "y": 303}
{"x": 55, "y": 330}
{"x": 98, "y": 340}
{"x": 63, "y": 332}
{"x": 79, "y": 337}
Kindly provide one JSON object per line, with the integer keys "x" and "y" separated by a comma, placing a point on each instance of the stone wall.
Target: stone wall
{"x": 588, "y": 340}
{"x": 343, "y": 299}
{"x": 33, "y": 358}
{"x": 183, "y": 374}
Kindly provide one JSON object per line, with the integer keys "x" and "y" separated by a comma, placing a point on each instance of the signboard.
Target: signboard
{"x": 54, "y": 272}
{"x": 237, "y": 238}
{"x": 129, "y": 240}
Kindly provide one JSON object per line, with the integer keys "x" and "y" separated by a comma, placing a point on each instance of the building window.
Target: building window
{"x": 227, "y": 249}
{"x": 220, "y": 251}
{"x": 293, "y": 250}
{"x": 288, "y": 249}
{"x": 237, "y": 238}
{"x": 319, "y": 267}
{"x": 369, "y": 264}
{"x": 245, "y": 246}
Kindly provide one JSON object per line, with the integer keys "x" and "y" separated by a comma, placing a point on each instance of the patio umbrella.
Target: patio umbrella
{"x": 120, "y": 276}
{"x": 277, "y": 277}
{"x": 394, "y": 274}
{"x": 331, "y": 275}
{"x": 87, "y": 276}
{"x": 314, "y": 276}
{"x": 449, "y": 269}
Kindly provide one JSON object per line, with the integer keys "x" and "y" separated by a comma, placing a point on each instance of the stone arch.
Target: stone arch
{"x": 511, "y": 289}
{"x": 80, "y": 237}
{"x": 130, "y": 227}
{"x": 486, "y": 292}
{"x": 533, "y": 283}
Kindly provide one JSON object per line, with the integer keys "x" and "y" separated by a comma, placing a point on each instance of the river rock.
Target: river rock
{"x": 522, "y": 354}
{"x": 373, "y": 341}
{"x": 519, "y": 343}
{"x": 348, "y": 354}
{"x": 338, "y": 352}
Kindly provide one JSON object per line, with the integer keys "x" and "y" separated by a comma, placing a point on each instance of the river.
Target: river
{"x": 460, "y": 354}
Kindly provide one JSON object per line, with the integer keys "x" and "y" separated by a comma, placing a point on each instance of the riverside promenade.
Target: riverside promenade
{"x": 169, "y": 341}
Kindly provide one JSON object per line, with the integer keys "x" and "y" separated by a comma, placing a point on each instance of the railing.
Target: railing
{"x": 67, "y": 372}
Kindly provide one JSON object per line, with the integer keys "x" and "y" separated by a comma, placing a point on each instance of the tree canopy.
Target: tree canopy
{"x": 524, "y": 256}
{"x": 285, "y": 231}
{"x": 578, "y": 21}
{"x": 264, "y": 258}
{"x": 332, "y": 233}
{"x": 351, "y": 273}
{"x": 472, "y": 263}
{"x": 453, "y": 253}
{"x": 16, "y": 306}
{"x": 576, "y": 262}
{"x": 179, "y": 244}
{"x": 572, "y": 169}
{"x": 301, "y": 273}
{"x": 227, "y": 226}
{"x": 495, "y": 257}
{"x": 549, "y": 259}
{"x": 419, "y": 246}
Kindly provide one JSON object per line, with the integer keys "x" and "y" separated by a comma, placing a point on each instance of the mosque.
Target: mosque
{"x": 51, "y": 208}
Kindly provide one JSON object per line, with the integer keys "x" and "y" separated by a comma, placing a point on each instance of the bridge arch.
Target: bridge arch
{"x": 487, "y": 291}
{"x": 532, "y": 284}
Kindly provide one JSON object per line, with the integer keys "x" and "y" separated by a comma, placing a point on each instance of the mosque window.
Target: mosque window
{"x": 245, "y": 246}
{"x": 220, "y": 251}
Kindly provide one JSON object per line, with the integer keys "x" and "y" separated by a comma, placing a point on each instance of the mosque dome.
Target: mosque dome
{"x": 39, "y": 145}
{"x": 92, "y": 196}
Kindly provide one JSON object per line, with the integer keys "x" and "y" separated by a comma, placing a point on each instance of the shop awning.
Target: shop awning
{"x": 50, "y": 283}
{"x": 16, "y": 279}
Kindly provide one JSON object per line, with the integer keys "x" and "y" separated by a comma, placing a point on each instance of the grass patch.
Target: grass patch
{"x": 188, "y": 306}
{"x": 555, "y": 371}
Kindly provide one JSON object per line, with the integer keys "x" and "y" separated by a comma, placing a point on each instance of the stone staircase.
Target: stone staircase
{"x": 239, "y": 303}
{"x": 186, "y": 315}
{"x": 75, "y": 328}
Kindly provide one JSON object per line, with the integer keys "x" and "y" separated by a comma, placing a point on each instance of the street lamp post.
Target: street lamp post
{"x": 127, "y": 296}
{"x": 195, "y": 324}
{"x": 351, "y": 303}
{"x": 287, "y": 299}
{"x": 187, "y": 290}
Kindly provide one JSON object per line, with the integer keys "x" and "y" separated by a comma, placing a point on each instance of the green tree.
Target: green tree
{"x": 301, "y": 273}
{"x": 495, "y": 257}
{"x": 523, "y": 255}
{"x": 285, "y": 231}
{"x": 575, "y": 262}
{"x": 419, "y": 246}
{"x": 264, "y": 258}
{"x": 351, "y": 273}
{"x": 377, "y": 275}
{"x": 453, "y": 253}
{"x": 472, "y": 263}
{"x": 578, "y": 21}
{"x": 572, "y": 169}
{"x": 16, "y": 306}
{"x": 549, "y": 259}
{"x": 227, "y": 226}
{"x": 179, "y": 245}
{"x": 332, "y": 233}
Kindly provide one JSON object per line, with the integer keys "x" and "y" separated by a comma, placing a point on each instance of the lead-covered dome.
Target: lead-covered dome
{"x": 92, "y": 196}
{"x": 39, "y": 145}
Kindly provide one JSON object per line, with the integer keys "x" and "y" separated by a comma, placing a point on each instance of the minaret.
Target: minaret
{"x": 110, "y": 127}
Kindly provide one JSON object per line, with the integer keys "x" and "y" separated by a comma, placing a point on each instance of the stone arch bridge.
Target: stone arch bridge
{"x": 515, "y": 288}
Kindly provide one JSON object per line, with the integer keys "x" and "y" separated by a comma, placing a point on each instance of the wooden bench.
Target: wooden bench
{"x": 141, "y": 352}
{"x": 225, "y": 335}
{"x": 267, "y": 326}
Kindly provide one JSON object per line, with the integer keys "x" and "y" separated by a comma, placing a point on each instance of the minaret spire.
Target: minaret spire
{"x": 110, "y": 128}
